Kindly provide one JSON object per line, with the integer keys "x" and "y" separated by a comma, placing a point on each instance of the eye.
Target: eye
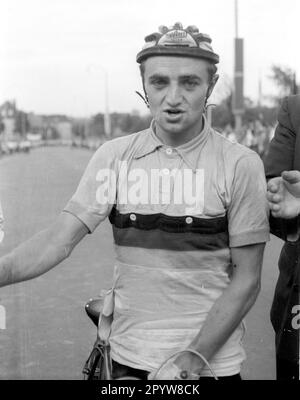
{"x": 190, "y": 83}
{"x": 158, "y": 83}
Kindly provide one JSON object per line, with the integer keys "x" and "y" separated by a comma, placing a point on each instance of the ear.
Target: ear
{"x": 212, "y": 85}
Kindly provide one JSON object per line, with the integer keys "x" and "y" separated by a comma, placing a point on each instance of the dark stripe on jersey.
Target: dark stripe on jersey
{"x": 168, "y": 223}
{"x": 160, "y": 231}
{"x": 177, "y": 241}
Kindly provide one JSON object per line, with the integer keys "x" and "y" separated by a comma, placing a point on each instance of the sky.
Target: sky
{"x": 56, "y": 56}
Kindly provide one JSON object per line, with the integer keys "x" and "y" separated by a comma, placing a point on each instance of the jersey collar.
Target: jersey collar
{"x": 188, "y": 151}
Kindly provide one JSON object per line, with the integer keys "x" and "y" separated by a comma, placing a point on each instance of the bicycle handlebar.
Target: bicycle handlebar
{"x": 183, "y": 351}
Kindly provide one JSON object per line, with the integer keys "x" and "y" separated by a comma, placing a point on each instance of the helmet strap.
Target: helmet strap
{"x": 145, "y": 98}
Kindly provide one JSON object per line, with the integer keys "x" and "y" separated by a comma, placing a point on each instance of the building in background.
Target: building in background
{"x": 8, "y": 113}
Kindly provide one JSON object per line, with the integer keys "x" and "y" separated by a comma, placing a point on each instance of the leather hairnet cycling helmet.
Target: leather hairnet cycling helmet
{"x": 176, "y": 41}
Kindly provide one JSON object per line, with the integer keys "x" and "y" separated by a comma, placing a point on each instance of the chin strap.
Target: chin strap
{"x": 206, "y": 107}
{"x": 145, "y": 98}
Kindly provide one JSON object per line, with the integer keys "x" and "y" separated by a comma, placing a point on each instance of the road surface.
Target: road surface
{"x": 48, "y": 335}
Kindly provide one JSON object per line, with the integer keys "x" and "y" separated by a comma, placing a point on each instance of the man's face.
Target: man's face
{"x": 176, "y": 89}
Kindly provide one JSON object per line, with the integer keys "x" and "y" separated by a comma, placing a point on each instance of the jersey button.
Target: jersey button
{"x": 189, "y": 220}
{"x": 132, "y": 217}
{"x": 169, "y": 151}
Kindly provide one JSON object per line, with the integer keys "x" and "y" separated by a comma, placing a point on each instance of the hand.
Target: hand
{"x": 284, "y": 195}
{"x": 183, "y": 366}
{"x": 189, "y": 365}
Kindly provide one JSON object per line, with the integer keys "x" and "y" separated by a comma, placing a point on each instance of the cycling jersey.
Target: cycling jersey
{"x": 175, "y": 213}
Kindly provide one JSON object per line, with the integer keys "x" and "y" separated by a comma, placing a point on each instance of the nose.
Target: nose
{"x": 174, "y": 95}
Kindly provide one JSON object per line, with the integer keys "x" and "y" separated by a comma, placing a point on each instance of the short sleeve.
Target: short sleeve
{"x": 248, "y": 213}
{"x": 95, "y": 195}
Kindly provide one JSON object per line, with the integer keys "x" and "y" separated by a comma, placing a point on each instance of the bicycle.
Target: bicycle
{"x": 98, "y": 365}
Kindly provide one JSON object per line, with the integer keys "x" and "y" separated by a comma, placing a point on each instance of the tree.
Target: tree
{"x": 2, "y": 126}
{"x": 285, "y": 79}
{"x": 96, "y": 125}
{"x": 222, "y": 113}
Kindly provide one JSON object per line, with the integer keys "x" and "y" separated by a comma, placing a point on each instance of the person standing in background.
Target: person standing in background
{"x": 282, "y": 165}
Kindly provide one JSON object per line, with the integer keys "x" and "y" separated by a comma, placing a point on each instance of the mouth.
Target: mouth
{"x": 173, "y": 111}
{"x": 173, "y": 114}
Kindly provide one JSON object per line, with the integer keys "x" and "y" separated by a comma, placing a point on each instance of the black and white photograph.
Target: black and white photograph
{"x": 150, "y": 192}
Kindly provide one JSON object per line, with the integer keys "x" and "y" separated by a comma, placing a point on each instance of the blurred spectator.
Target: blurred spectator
{"x": 254, "y": 135}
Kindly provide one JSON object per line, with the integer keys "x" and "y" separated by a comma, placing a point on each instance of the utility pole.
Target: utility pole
{"x": 259, "y": 102}
{"x": 238, "y": 92}
{"x": 236, "y": 15}
{"x": 94, "y": 70}
{"x": 295, "y": 86}
{"x": 107, "y": 120}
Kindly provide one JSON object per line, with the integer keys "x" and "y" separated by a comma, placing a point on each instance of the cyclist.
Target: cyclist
{"x": 189, "y": 215}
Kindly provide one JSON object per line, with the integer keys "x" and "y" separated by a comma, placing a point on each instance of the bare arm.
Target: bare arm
{"x": 43, "y": 251}
{"x": 230, "y": 309}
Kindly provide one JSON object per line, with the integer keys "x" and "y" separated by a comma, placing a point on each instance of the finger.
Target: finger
{"x": 276, "y": 214}
{"x": 277, "y": 198}
{"x": 291, "y": 176}
{"x": 274, "y": 207}
{"x": 274, "y": 198}
{"x": 270, "y": 196}
{"x": 274, "y": 184}
{"x": 273, "y": 188}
